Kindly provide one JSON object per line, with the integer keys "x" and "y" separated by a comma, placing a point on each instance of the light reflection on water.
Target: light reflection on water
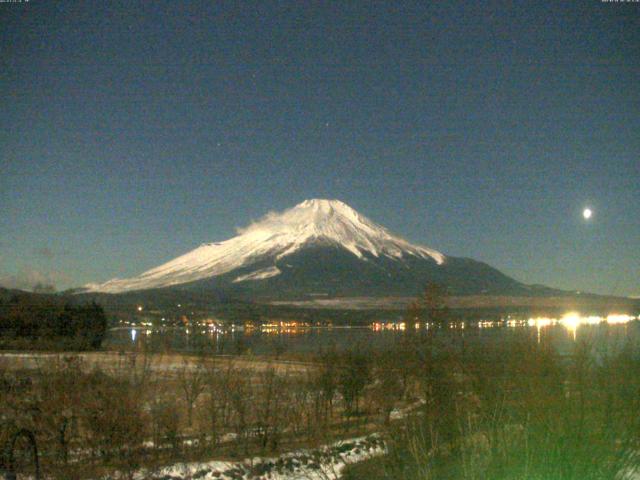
{"x": 561, "y": 333}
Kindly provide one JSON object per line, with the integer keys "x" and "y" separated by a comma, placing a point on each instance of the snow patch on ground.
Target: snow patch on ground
{"x": 402, "y": 413}
{"x": 323, "y": 463}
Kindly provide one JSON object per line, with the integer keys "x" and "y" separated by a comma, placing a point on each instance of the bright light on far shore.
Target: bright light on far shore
{"x": 587, "y": 213}
{"x": 572, "y": 320}
{"x": 614, "y": 319}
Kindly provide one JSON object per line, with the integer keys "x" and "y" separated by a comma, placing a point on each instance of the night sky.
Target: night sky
{"x": 131, "y": 132}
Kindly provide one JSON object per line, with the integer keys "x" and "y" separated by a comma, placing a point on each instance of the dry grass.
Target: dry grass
{"x": 26, "y": 361}
{"x": 100, "y": 412}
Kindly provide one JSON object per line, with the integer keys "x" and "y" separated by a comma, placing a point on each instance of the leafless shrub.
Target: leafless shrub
{"x": 112, "y": 416}
{"x": 165, "y": 424}
{"x": 191, "y": 379}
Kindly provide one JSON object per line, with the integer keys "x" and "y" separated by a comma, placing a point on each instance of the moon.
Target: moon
{"x": 587, "y": 213}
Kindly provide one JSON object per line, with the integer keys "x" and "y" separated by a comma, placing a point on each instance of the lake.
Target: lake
{"x": 561, "y": 334}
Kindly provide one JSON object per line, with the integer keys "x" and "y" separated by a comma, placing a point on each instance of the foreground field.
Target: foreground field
{"x": 107, "y": 413}
{"x": 441, "y": 410}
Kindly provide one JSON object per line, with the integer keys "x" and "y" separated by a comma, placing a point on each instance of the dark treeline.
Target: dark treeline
{"x": 29, "y": 320}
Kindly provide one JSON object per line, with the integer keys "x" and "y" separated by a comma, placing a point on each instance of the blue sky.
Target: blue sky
{"x": 131, "y": 132}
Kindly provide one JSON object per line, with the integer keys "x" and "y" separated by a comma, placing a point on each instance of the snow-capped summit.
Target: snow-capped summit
{"x": 267, "y": 242}
{"x": 334, "y": 222}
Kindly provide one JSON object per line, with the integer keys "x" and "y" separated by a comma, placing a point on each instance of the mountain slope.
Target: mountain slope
{"x": 318, "y": 247}
{"x": 312, "y": 222}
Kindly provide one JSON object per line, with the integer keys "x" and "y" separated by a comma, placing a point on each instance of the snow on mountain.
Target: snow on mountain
{"x": 259, "y": 274}
{"x": 277, "y": 235}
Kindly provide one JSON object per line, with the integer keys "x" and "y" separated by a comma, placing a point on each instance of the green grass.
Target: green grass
{"x": 518, "y": 413}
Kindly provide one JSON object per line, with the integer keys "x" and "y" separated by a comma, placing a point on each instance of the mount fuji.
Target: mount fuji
{"x": 317, "y": 248}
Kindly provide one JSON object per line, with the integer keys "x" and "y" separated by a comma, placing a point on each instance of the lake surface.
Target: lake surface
{"x": 563, "y": 337}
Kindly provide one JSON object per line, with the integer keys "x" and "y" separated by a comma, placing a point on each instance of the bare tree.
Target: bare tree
{"x": 353, "y": 377}
{"x": 240, "y": 396}
{"x": 435, "y": 304}
{"x": 192, "y": 383}
{"x": 388, "y": 387}
{"x": 270, "y": 403}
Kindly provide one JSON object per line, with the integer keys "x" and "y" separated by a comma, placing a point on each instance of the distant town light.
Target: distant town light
{"x": 614, "y": 319}
{"x": 139, "y": 308}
